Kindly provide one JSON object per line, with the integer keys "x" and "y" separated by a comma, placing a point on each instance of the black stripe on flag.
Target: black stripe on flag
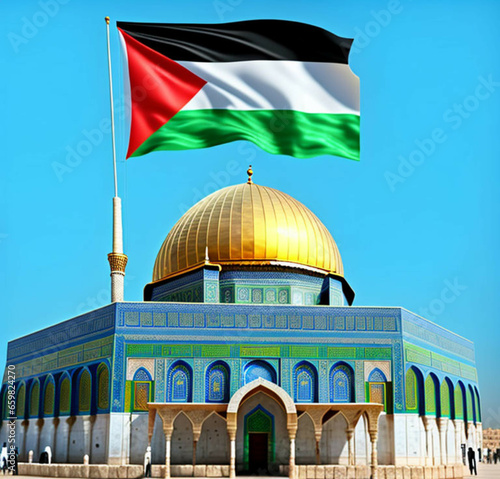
{"x": 241, "y": 41}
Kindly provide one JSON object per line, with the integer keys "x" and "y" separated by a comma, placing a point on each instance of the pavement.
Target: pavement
{"x": 487, "y": 471}
{"x": 484, "y": 471}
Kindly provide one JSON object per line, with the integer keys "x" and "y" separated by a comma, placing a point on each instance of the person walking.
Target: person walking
{"x": 472, "y": 461}
{"x": 4, "y": 457}
{"x": 48, "y": 450}
{"x": 147, "y": 462}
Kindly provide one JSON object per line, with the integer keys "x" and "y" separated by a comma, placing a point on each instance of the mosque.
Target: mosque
{"x": 247, "y": 356}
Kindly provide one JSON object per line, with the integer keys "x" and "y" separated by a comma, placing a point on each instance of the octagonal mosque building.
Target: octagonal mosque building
{"x": 247, "y": 355}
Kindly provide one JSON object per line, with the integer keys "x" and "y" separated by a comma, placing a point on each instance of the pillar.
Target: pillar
{"x": 39, "y": 427}
{"x": 232, "y": 455}
{"x": 196, "y": 438}
{"x": 23, "y": 453}
{"x": 350, "y": 450}
{"x": 374, "y": 459}
{"x": 195, "y": 444}
{"x": 168, "y": 439}
{"x": 231, "y": 423}
{"x": 55, "y": 423}
{"x": 479, "y": 430}
{"x": 471, "y": 436}
{"x": 317, "y": 436}
{"x": 291, "y": 471}
{"x": 442, "y": 423}
{"x": 458, "y": 440}
{"x": 87, "y": 423}
{"x": 70, "y": 421}
{"x": 429, "y": 450}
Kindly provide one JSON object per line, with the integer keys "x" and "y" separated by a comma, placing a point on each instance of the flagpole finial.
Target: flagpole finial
{"x": 250, "y": 173}
{"x": 106, "y": 20}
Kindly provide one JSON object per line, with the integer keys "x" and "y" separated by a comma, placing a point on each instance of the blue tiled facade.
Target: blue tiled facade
{"x": 316, "y": 353}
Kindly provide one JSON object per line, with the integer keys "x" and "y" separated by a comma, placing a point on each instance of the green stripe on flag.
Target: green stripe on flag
{"x": 280, "y": 132}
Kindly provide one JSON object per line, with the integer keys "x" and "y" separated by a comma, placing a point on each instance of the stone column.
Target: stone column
{"x": 168, "y": 438}
{"x": 23, "y": 453}
{"x": 317, "y": 436}
{"x": 479, "y": 431}
{"x": 471, "y": 439}
{"x": 232, "y": 455}
{"x": 55, "y": 422}
{"x": 442, "y": 424}
{"x": 87, "y": 423}
{"x": 458, "y": 440}
{"x": 196, "y": 438}
{"x": 429, "y": 450}
{"x": 39, "y": 427}
{"x": 231, "y": 423}
{"x": 374, "y": 459}
{"x": 350, "y": 450}
{"x": 291, "y": 471}
{"x": 70, "y": 421}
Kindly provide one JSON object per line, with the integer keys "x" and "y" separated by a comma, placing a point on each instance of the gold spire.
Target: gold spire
{"x": 250, "y": 173}
{"x": 106, "y": 20}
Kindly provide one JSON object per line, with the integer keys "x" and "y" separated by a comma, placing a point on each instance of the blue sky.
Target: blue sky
{"x": 416, "y": 220}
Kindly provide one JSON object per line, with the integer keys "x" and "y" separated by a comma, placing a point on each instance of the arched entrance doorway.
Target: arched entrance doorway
{"x": 262, "y": 421}
{"x": 258, "y": 441}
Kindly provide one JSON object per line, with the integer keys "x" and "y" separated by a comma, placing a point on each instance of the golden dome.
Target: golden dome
{"x": 248, "y": 224}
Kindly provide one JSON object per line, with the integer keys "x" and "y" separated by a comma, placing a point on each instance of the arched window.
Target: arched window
{"x": 259, "y": 369}
{"x": 376, "y": 387}
{"x": 377, "y": 376}
{"x": 413, "y": 391}
{"x": 49, "y": 397}
{"x": 305, "y": 380}
{"x": 35, "y": 399}
{"x": 142, "y": 389}
{"x": 65, "y": 397}
{"x": 142, "y": 374}
{"x": 446, "y": 393}
{"x": 84, "y": 392}
{"x": 431, "y": 401}
{"x": 217, "y": 383}
{"x": 478, "y": 404}
{"x": 471, "y": 409}
{"x": 21, "y": 402}
{"x": 459, "y": 401}
{"x": 103, "y": 387}
{"x": 341, "y": 383}
{"x": 180, "y": 383}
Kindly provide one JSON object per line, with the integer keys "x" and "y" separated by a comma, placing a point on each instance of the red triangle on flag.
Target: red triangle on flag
{"x": 159, "y": 88}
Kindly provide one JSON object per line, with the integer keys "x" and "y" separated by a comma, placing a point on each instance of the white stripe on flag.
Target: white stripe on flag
{"x": 310, "y": 87}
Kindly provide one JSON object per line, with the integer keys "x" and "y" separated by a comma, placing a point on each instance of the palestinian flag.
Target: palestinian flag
{"x": 285, "y": 86}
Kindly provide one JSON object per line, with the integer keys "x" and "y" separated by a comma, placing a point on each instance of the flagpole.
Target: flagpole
{"x": 117, "y": 260}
